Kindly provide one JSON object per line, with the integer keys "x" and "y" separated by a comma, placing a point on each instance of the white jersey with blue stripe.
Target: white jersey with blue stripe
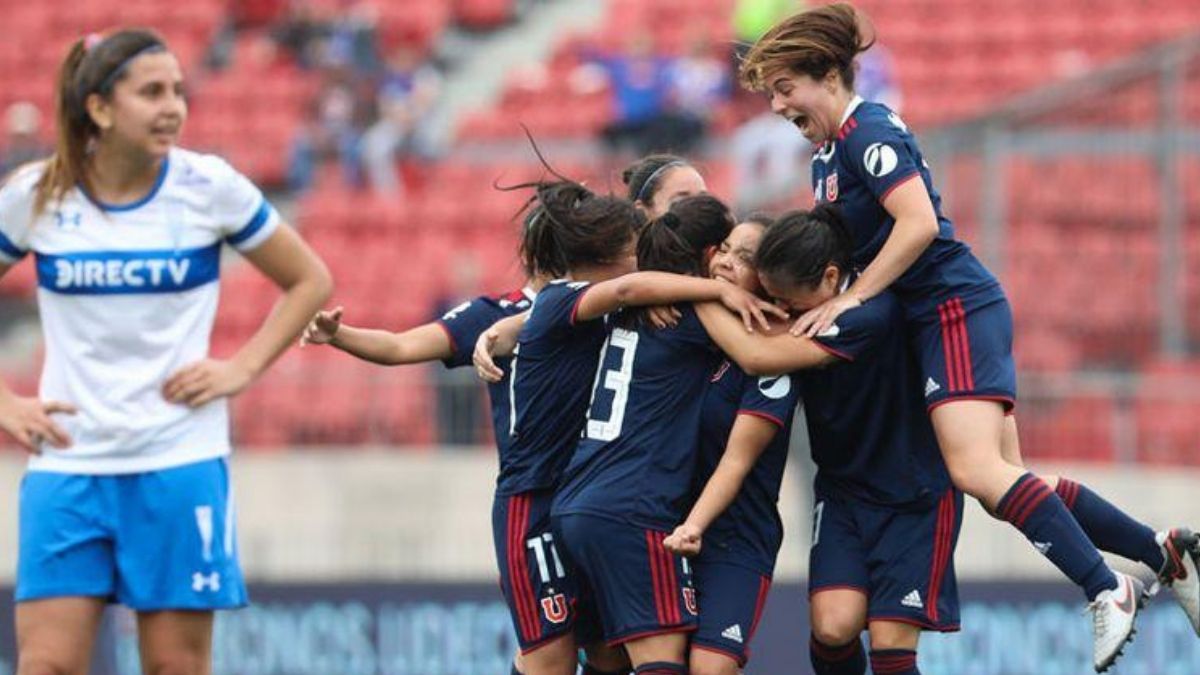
{"x": 128, "y": 295}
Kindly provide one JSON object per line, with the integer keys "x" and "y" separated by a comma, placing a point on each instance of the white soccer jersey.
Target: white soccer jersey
{"x": 127, "y": 295}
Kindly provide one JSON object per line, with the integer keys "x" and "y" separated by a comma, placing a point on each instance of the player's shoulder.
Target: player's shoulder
{"x": 510, "y": 302}
{"x": 198, "y": 169}
{"x": 879, "y": 313}
{"x": 20, "y": 183}
{"x": 871, "y": 123}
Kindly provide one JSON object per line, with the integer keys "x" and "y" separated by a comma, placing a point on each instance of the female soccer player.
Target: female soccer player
{"x": 591, "y": 238}
{"x": 869, "y": 164}
{"x": 654, "y": 182}
{"x": 127, "y": 494}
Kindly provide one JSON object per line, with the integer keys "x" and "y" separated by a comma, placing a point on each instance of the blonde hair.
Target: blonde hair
{"x": 92, "y": 66}
{"x": 813, "y": 43}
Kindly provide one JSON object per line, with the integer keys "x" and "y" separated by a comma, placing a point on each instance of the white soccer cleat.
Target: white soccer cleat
{"x": 1181, "y": 551}
{"x": 1113, "y": 613}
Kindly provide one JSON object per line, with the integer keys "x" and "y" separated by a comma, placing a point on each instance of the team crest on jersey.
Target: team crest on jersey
{"x": 825, "y": 152}
{"x": 689, "y": 601}
{"x": 831, "y": 187}
{"x": 554, "y": 608}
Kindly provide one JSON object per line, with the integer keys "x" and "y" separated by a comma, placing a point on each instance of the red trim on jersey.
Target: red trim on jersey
{"x": 956, "y": 348}
{"x": 964, "y": 343}
{"x": 899, "y": 181}
{"x": 762, "y": 415}
{"x": 657, "y": 577}
{"x": 545, "y": 642}
{"x": 948, "y": 353}
{"x": 839, "y": 587}
{"x": 739, "y": 659}
{"x": 850, "y": 125}
{"x": 449, "y": 336}
{"x": 673, "y": 588}
{"x": 575, "y": 307}
{"x": 518, "y": 568}
{"x": 689, "y": 628}
{"x": 1009, "y": 404}
{"x": 833, "y": 352}
{"x": 764, "y": 587}
{"x": 942, "y": 549}
{"x": 512, "y": 296}
{"x": 948, "y": 628}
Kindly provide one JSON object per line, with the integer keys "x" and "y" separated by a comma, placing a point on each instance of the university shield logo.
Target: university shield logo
{"x": 831, "y": 187}
{"x": 689, "y": 601}
{"x": 555, "y": 608}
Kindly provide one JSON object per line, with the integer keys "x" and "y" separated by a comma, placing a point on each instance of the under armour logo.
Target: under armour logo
{"x": 65, "y": 220}
{"x": 202, "y": 582}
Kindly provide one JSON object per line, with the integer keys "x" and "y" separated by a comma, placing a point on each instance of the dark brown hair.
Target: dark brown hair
{"x": 644, "y": 177}
{"x": 798, "y": 247}
{"x": 813, "y": 42}
{"x": 93, "y": 65}
{"x": 568, "y": 226}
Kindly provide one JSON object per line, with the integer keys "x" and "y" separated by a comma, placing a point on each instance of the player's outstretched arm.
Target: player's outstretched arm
{"x": 499, "y": 340}
{"x": 749, "y": 437}
{"x": 663, "y": 288}
{"x": 427, "y": 342}
{"x": 306, "y": 285}
{"x": 759, "y": 354}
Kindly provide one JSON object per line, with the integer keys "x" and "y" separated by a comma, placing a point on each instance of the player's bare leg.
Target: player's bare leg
{"x": 894, "y": 647}
{"x": 669, "y": 648}
{"x": 705, "y": 662}
{"x": 605, "y": 660}
{"x": 55, "y": 636}
{"x": 837, "y": 616}
{"x": 175, "y": 642}
{"x": 556, "y": 657}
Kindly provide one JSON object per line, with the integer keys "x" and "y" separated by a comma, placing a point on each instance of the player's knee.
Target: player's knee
{"x": 969, "y": 477}
{"x": 834, "y": 628}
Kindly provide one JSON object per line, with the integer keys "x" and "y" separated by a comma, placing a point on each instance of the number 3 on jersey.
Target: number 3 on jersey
{"x": 615, "y": 380}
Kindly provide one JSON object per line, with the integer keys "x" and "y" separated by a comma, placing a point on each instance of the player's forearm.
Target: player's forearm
{"x": 285, "y": 323}
{"x": 908, "y": 240}
{"x": 721, "y": 489}
{"x": 755, "y": 353}
{"x": 662, "y": 288}
{"x": 370, "y": 344}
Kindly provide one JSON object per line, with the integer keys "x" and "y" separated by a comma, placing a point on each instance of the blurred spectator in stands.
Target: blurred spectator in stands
{"x": 301, "y": 33}
{"x": 699, "y": 84}
{"x": 23, "y": 122}
{"x": 354, "y": 38}
{"x": 640, "y": 83}
{"x": 408, "y": 92}
{"x": 876, "y": 77}
{"x": 330, "y": 133}
{"x": 461, "y": 409}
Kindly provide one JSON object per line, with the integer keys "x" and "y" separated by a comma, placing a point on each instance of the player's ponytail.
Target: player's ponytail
{"x": 678, "y": 240}
{"x": 813, "y": 42}
{"x": 798, "y": 248}
{"x": 569, "y": 227}
{"x": 93, "y": 65}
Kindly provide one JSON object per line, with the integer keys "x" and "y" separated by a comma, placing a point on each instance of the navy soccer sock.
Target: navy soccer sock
{"x": 1110, "y": 528}
{"x": 894, "y": 662}
{"x": 847, "y": 659}
{"x": 661, "y": 668}
{"x": 1034, "y": 509}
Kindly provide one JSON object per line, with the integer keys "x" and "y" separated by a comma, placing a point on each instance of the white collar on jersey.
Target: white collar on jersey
{"x": 853, "y": 105}
{"x": 529, "y": 293}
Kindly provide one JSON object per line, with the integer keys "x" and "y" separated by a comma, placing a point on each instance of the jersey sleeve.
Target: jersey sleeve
{"x": 554, "y": 310}
{"x": 858, "y": 330}
{"x": 773, "y": 398}
{"x": 463, "y": 325}
{"x": 16, "y": 216}
{"x": 245, "y": 215}
{"x": 879, "y": 152}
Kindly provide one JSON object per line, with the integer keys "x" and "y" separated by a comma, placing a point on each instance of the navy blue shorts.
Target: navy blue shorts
{"x": 902, "y": 560}
{"x": 965, "y": 349}
{"x": 539, "y": 587}
{"x": 155, "y": 540}
{"x": 639, "y": 587}
{"x": 733, "y": 597}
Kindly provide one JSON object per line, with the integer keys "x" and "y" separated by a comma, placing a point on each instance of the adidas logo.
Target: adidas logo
{"x": 930, "y": 387}
{"x": 1043, "y": 547}
{"x": 734, "y": 633}
{"x": 913, "y": 599}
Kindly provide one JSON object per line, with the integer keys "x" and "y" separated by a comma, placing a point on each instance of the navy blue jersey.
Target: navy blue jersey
{"x": 550, "y": 384}
{"x": 874, "y": 153}
{"x": 637, "y": 457}
{"x": 464, "y": 324}
{"x": 749, "y": 532}
{"x": 867, "y": 424}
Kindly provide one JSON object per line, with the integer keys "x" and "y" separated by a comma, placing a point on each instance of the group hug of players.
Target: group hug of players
{"x": 644, "y": 380}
